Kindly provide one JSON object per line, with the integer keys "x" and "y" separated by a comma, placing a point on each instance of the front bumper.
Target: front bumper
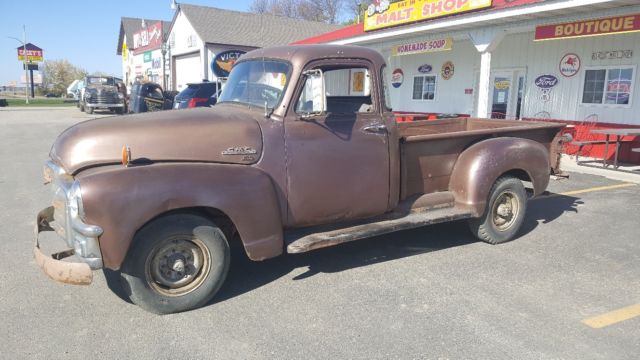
{"x": 76, "y": 273}
{"x": 104, "y": 105}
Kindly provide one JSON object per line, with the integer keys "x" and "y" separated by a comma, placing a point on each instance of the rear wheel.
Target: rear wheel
{"x": 81, "y": 107}
{"x": 504, "y": 213}
{"x": 177, "y": 262}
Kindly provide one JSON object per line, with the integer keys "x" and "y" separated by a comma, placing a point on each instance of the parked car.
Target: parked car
{"x": 51, "y": 95}
{"x": 148, "y": 96}
{"x": 72, "y": 89}
{"x": 197, "y": 95}
{"x": 190, "y": 183}
{"x": 102, "y": 92}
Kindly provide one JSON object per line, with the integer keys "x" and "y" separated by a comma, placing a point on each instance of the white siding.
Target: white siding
{"x": 540, "y": 58}
{"x": 450, "y": 94}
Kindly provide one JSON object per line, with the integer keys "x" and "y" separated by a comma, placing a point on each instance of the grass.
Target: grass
{"x": 40, "y": 102}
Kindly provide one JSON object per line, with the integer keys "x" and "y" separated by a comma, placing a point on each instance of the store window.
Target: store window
{"x": 424, "y": 87}
{"x": 609, "y": 86}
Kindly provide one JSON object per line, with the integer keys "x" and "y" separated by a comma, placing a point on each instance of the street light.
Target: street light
{"x": 24, "y": 60}
{"x": 164, "y": 63}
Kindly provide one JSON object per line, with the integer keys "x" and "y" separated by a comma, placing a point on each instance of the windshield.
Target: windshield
{"x": 256, "y": 82}
{"x": 100, "y": 80}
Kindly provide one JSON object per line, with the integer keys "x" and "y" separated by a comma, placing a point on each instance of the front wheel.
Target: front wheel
{"x": 89, "y": 110}
{"x": 178, "y": 262}
{"x": 504, "y": 213}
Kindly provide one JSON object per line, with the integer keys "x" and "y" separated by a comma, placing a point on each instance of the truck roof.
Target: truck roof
{"x": 299, "y": 55}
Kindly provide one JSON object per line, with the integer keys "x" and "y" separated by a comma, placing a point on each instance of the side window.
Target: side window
{"x": 385, "y": 88}
{"x": 156, "y": 93}
{"x": 347, "y": 90}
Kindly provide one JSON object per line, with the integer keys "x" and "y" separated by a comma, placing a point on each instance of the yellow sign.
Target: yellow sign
{"x": 125, "y": 51}
{"x": 503, "y": 84}
{"x": 358, "y": 81}
{"x": 422, "y": 47}
{"x": 383, "y": 13}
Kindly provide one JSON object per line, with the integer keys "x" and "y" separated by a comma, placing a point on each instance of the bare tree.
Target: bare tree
{"x": 58, "y": 74}
{"x": 318, "y": 10}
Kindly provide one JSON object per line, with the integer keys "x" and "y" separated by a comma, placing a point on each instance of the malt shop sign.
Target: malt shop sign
{"x": 385, "y": 13}
{"x": 595, "y": 27}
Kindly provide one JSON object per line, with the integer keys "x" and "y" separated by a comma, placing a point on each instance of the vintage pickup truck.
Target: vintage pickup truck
{"x": 301, "y": 152}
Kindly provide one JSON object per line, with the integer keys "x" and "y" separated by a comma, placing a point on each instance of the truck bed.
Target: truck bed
{"x": 429, "y": 149}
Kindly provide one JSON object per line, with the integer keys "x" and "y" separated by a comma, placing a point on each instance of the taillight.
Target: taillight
{"x": 195, "y": 101}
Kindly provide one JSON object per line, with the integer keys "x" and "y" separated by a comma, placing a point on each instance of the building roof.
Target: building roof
{"x": 218, "y": 26}
{"x": 129, "y": 26}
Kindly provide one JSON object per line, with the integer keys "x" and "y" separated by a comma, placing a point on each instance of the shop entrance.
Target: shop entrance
{"x": 507, "y": 93}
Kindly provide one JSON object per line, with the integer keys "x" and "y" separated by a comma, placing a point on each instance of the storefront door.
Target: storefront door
{"x": 507, "y": 93}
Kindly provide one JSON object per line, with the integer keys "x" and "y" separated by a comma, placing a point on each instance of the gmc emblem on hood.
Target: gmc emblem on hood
{"x": 242, "y": 150}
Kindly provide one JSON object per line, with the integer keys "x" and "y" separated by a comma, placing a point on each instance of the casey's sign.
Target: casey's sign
{"x": 602, "y": 26}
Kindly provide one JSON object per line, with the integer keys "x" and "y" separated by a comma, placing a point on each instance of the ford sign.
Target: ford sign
{"x": 425, "y": 69}
{"x": 546, "y": 81}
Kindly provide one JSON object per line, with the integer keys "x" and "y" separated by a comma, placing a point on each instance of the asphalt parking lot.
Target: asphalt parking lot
{"x": 567, "y": 288}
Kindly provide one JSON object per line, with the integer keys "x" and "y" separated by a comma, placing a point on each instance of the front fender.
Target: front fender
{"x": 122, "y": 199}
{"x": 480, "y": 165}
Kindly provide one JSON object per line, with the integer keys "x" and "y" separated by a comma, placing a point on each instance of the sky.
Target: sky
{"x": 83, "y": 32}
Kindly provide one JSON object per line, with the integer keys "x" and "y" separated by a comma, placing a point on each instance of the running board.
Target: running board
{"x": 306, "y": 239}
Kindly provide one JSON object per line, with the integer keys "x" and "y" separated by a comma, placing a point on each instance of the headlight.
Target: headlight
{"x": 74, "y": 199}
{"x": 120, "y": 96}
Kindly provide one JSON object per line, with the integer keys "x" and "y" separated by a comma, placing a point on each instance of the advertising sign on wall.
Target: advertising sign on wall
{"x": 223, "y": 62}
{"x": 148, "y": 38}
{"x": 602, "y": 26}
{"x": 422, "y": 47}
{"x": 385, "y": 13}
{"x": 397, "y": 77}
{"x": 569, "y": 65}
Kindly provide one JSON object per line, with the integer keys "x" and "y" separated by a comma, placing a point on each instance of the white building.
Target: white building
{"x": 568, "y": 60}
{"x": 199, "y": 33}
{"x": 140, "y": 45}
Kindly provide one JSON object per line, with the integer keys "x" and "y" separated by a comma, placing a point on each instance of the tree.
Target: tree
{"x": 57, "y": 75}
{"x": 318, "y": 10}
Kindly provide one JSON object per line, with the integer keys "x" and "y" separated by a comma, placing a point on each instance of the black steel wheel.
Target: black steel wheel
{"x": 176, "y": 263}
{"x": 504, "y": 213}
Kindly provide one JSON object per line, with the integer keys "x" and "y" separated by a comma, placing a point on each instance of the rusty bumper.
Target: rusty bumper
{"x": 76, "y": 273}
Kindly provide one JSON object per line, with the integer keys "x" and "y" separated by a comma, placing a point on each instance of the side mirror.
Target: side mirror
{"x": 313, "y": 99}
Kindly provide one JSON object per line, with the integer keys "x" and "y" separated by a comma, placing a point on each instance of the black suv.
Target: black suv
{"x": 197, "y": 94}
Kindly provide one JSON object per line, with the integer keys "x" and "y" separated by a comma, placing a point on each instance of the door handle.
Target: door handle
{"x": 375, "y": 128}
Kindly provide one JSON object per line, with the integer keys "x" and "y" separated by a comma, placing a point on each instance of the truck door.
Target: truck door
{"x": 337, "y": 160}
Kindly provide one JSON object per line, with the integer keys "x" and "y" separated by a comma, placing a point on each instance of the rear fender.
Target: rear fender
{"x": 480, "y": 165}
{"x": 122, "y": 199}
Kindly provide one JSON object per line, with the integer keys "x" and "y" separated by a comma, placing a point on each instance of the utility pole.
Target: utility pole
{"x": 26, "y": 67}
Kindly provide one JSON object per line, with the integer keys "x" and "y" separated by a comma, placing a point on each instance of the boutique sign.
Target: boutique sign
{"x": 602, "y": 26}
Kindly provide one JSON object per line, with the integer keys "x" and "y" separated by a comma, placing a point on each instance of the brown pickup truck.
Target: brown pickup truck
{"x": 301, "y": 152}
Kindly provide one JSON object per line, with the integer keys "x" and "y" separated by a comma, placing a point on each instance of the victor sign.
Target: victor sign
{"x": 223, "y": 62}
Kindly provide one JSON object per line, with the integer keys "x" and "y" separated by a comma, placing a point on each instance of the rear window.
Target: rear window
{"x": 198, "y": 90}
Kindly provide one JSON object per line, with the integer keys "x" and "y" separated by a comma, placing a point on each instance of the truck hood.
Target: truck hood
{"x": 223, "y": 134}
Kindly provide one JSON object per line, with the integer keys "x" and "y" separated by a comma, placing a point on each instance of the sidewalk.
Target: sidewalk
{"x": 568, "y": 163}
